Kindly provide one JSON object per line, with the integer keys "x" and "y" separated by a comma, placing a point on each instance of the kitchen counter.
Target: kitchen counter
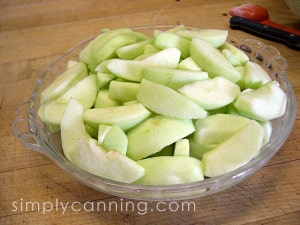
{"x": 34, "y": 190}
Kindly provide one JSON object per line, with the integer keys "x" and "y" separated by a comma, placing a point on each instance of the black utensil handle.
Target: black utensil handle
{"x": 265, "y": 31}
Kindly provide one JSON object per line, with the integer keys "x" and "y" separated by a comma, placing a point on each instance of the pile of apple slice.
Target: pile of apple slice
{"x": 176, "y": 107}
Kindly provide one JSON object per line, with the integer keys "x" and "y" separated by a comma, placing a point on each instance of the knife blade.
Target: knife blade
{"x": 264, "y": 31}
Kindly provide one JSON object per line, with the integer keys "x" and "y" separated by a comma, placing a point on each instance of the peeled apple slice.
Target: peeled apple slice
{"x": 164, "y": 40}
{"x": 155, "y": 133}
{"x": 213, "y": 93}
{"x": 84, "y": 152}
{"x": 164, "y": 170}
{"x": 173, "y": 78}
{"x": 112, "y": 164}
{"x": 235, "y": 152}
{"x": 213, "y": 36}
{"x": 64, "y": 81}
{"x": 72, "y": 127}
{"x": 84, "y": 91}
{"x": 212, "y": 61}
{"x": 131, "y": 69}
{"x": 124, "y": 116}
{"x": 255, "y": 75}
{"x": 262, "y": 104}
{"x": 108, "y": 50}
{"x": 166, "y": 101}
{"x": 87, "y": 53}
{"x": 213, "y": 130}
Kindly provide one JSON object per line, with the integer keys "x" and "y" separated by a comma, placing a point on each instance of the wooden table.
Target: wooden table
{"x": 33, "y": 190}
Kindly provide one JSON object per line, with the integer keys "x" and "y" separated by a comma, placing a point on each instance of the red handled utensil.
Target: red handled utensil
{"x": 259, "y": 14}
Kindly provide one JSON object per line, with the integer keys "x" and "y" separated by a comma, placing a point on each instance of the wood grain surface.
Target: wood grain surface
{"x": 34, "y": 32}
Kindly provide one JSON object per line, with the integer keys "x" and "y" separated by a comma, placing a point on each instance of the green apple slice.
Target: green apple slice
{"x": 231, "y": 58}
{"x": 116, "y": 139}
{"x": 64, "y": 82}
{"x": 212, "y": 61}
{"x": 84, "y": 91}
{"x": 265, "y": 103}
{"x": 217, "y": 128}
{"x": 51, "y": 112}
{"x": 182, "y": 147}
{"x": 213, "y": 93}
{"x": 236, "y": 52}
{"x": 112, "y": 138}
{"x": 166, "y": 101}
{"x": 103, "y": 79}
{"x": 123, "y": 91}
{"x": 167, "y": 170}
{"x": 84, "y": 152}
{"x": 125, "y": 116}
{"x": 155, "y": 133}
{"x": 267, "y": 125}
{"x": 255, "y": 75}
{"x": 102, "y": 67}
{"x": 235, "y": 152}
{"x": 102, "y": 132}
{"x": 72, "y": 127}
{"x": 189, "y": 64}
{"x": 131, "y": 69}
{"x": 213, "y": 130}
{"x": 103, "y": 100}
{"x": 173, "y": 78}
{"x": 113, "y": 165}
{"x": 215, "y": 37}
{"x": 106, "y": 35}
{"x": 132, "y": 51}
{"x": 108, "y": 50}
{"x": 148, "y": 50}
{"x": 165, "y": 40}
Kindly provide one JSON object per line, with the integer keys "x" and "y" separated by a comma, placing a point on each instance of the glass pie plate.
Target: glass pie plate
{"x": 35, "y": 135}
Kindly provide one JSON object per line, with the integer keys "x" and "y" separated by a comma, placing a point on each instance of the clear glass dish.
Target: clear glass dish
{"x": 34, "y": 134}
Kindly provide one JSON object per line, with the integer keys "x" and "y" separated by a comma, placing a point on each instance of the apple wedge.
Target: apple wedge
{"x": 156, "y": 133}
{"x": 166, "y": 101}
{"x": 255, "y": 75}
{"x": 212, "y": 93}
{"x": 236, "y": 52}
{"x": 91, "y": 157}
{"x": 182, "y": 147}
{"x": 166, "y": 170}
{"x": 64, "y": 81}
{"x": 215, "y": 37}
{"x": 132, "y": 51}
{"x": 112, "y": 138}
{"x": 131, "y": 69}
{"x": 72, "y": 127}
{"x": 189, "y": 64}
{"x": 108, "y": 49}
{"x": 124, "y": 116}
{"x": 83, "y": 151}
{"x": 213, "y": 130}
{"x": 265, "y": 103}
{"x": 235, "y": 152}
{"x": 164, "y": 40}
{"x": 123, "y": 91}
{"x": 97, "y": 43}
{"x": 84, "y": 91}
{"x": 103, "y": 100}
{"x": 173, "y": 78}
{"x": 212, "y": 61}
